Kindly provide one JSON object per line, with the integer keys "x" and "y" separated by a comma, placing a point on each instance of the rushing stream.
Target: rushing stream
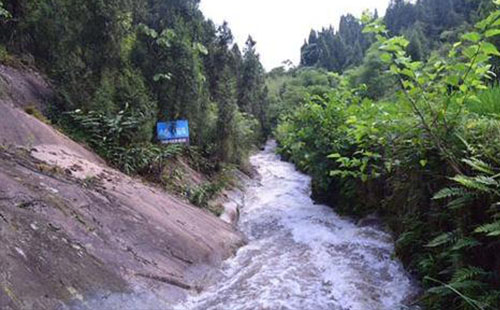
{"x": 302, "y": 256}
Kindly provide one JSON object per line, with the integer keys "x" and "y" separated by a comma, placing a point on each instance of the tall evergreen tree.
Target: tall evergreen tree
{"x": 336, "y": 51}
{"x": 227, "y": 107}
{"x": 310, "y": 53}
{"x": 158, "y": 59}
{"x": 252, "y": 83}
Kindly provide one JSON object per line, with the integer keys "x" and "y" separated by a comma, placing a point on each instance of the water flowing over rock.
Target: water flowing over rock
{"x": 302, "y": 255}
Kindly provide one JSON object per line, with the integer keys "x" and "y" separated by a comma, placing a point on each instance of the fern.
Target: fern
{"x": 448, "y": 192}
{"x": 442, "y": 239}
{"x": 479, "y": 165}
{"x": 467, "y": 145}
{"x": 407, "y": 238}
{"x": 472, "y": 183}
{"x": 491, "y": 230}
{"x": 460, "y": 202}
{"x": 445, "y": 289}
{"x": 468, "y": 273}
{"x": 465, "y": 243}
{"x": 489, "y": 181}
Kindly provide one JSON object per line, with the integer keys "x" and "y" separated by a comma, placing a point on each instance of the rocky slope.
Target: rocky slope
{"x": 75, "y": 233}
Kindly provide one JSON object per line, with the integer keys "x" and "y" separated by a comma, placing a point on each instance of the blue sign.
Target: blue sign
{"x": 173, "y": 132}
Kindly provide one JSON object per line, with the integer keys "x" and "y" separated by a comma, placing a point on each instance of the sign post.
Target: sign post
{"x": 175, "y": 132}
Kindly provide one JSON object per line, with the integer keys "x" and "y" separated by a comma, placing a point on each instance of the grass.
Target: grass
{"x": 48, "y": 169}
{"x": 8, "y": 59}
{"x": 488, "y": 103}
{"x": 5, "y": 57}
{"x": 33, "y": 111}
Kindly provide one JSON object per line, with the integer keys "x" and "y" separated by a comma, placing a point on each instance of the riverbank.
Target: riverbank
{"x": 79, "y": 234}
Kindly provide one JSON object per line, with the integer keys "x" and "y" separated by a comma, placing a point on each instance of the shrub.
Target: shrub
{"x": 425, "y": 160}
{"x": 33, "y": 111}
{"x": 115, "y": 138}
{"x": 487, "y": 102}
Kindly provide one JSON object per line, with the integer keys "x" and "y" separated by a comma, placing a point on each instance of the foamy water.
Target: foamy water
{"x": 303, "y": 256}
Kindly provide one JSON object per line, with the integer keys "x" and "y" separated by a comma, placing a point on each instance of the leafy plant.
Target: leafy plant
{"x": 4, "y": 14}
{"x": 114, "y": 138}
{"x": 487, "y": 103}
{"x": 424, "y": 158}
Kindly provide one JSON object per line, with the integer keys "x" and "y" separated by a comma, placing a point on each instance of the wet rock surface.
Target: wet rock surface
{"x": 77, "y": 234}
{"x": 63, "y": 240}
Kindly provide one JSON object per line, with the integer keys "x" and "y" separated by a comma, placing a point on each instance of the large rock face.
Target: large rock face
{"x": 76, "y": 233}
{"x": 23, "y": 89}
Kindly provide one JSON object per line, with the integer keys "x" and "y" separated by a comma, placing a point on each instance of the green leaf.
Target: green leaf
{"x": 465, "y": 243}
{"x": 386, "y": 57}
{"x": 453, "y": 80}
{"x": 460, "y": 202}
{"x": 401, "y": 41}
{"x": 168, "y": 34}
{"x": 441, "y": 240}
{"x": 478, "y": 184}
{"x": 201, "y": 48}
{"x": 492, "y": 33}
{"x": 394, "y": 69}
{"x": 491, "y": 19}
{"x": 161, "y": 76}
{"x": 471, "y": 51}
{"x": 448, "y": 192}
{"x": 490, "y": 49}
{"x": 408, "y": 73}
{"x": 366, "y": 17}
{"x": 479, "y": 165}
{"x": 491, "y": 230}
{"x": 409, "y": 85}
{"x": 335, "y": 155}
{"x": 163, "y": 42}
{"x": 469, "y": 273}
{"x": 4, "y": 13}
{"x": 472, "y": 36}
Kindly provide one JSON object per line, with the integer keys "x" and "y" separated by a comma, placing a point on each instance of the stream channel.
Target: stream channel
{"x": 301, "y": 255}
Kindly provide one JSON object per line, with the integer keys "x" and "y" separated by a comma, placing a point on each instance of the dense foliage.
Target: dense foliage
{"x": 424, "y": 158}
{"x": 292, "y": 89}
{"x": 426, "y": 24}
{"x": 336, "y": 51}
{"x": 410, "y": 131}
{"x": 125, "y": 64}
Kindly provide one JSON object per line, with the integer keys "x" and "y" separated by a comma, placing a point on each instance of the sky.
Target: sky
{"x": 280, "y": 26}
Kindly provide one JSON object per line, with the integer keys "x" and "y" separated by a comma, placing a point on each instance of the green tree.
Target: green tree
{"x": 226, "y": 95}
{"x": 157, "y": 60}
{"x": 251, "y": 96}
{"x": 418, "y": 43}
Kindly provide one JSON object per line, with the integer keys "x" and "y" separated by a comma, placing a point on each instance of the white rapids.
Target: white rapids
{"x": 303, "y": 256}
